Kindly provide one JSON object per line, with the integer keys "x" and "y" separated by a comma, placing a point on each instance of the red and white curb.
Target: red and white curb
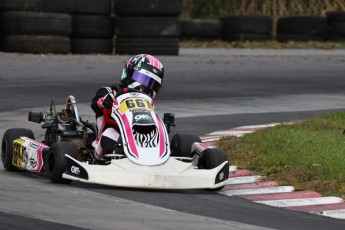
{"x": 244, "y": 184}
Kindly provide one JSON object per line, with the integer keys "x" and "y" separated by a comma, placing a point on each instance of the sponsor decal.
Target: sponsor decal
{"x": 33, "y": 162}
{"x": 142, "y": 117}
{"x": 75, "y": 170}
{"x": 34, "y": 145}
{"x": 222, "y": 175}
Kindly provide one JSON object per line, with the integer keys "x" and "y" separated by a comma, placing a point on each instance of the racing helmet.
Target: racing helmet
{"x": 143, "y": 72}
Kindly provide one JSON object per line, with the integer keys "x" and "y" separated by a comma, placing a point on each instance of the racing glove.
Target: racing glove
{"x": 108, "y": 101}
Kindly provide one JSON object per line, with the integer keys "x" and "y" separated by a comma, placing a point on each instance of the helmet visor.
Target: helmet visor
{"x": 147, "y": 81}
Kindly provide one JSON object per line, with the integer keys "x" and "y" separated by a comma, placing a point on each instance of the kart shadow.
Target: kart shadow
{"x": 112, "y": 188}
{"x": 106, "y": 188}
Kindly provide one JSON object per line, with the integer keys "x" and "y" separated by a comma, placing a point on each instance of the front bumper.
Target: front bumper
{"x": 173, "y": 174}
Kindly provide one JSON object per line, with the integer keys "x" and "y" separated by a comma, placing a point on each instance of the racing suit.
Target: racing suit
{"x": 108, "y": 134}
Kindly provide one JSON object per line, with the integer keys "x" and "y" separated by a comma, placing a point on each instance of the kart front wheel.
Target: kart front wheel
{"x": 56, "y": 162}
{"x": 7, "y": 146}
{"x": 212, "y": 158}
{"x": 181, "y": 144}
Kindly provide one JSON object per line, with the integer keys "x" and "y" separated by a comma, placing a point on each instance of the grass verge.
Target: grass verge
{"x": 194, "y": 43}
{"x": 309, "y": 155}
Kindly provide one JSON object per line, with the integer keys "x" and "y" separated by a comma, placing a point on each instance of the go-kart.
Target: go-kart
{"x": 143, "y": 157}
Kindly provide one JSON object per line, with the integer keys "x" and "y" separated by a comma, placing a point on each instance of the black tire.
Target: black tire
{"x": 336, "y": 16}
{"x": 92, "y": 26}
{"x": 55, "y": 162}
{"x": 212, "y": 158}
{"x": 92, "y": 46}
{"x": 300, "y": 37}
{"x": 99, "y": 7}
{"x": 200, "y": 28}
{"x": 337, "y": 28}
{"x": 151, "y": 45}
{"x": 7, "y": 146}
{"x": 57, "y": 6}
{"x": 37, "y": 23}
{"x": 249, "y": 37}
{"x": 1, "y": 34}
{"x": 247, "y": 24}
{"x": 148, "y": 26}
{"x": 305, "y": 25}
{"x": 36, "y": 44}
{"x": 148, "y": 7}
{"x": 181, "y": 144}
{"x": 336, "y": 38}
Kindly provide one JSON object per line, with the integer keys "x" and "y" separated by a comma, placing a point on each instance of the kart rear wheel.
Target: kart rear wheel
{"x": 7, "y": 146}
{"x": 212, "y": 158}
{"x": 181, "y": 144}
{"x": 56, "y": 162}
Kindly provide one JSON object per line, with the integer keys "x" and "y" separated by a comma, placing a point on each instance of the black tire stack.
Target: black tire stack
{"x": 336, "y": 25}
{"x": 93, "y": 27}
{"x": 0, "y": 28}
{"x": 37, "y": 26}
{"x": 247, "y": 28}
{"x": 149, "y": 26}
{"x": 200, "y": 28}
{"x": 301, "y": 28}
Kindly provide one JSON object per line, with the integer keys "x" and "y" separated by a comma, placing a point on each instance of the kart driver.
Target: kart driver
{"x": 143, "y": 73}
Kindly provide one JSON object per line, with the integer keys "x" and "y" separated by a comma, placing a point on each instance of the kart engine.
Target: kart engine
{"x": 65, "y": 125}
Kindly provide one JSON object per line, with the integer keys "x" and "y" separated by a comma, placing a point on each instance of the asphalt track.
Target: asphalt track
{"x": 208, "y": 90}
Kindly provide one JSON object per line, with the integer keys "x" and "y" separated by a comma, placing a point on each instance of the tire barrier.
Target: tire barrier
{"x": 36, "y": 32}
{"x": 201, "y": 28}
{"x": 86, "y": 26}
{"x": 149, "y": 26}
{"x": 93, "y": 27}
{"x": 36, "y": 44}
{"x": 1, "y": 30}
{"x": 247, "y": 28}
{"x": 93, "y": 7}
{"x": 301, "y": 28}
{"x": 37, "y": 23}
{"x": 54, "y": 6}
{"x": 336, "y": 26}
{"x": 89, "y": 46}
{"x": 150, "y": 45}
{"x": 139, "y": 8}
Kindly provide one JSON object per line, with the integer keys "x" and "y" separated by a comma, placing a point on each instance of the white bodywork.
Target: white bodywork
{"x": 133, "y": 109}
{"x": 173, "y": 174}
{"x": 148, "y": 163}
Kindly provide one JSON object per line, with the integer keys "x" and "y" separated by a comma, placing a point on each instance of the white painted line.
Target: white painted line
{"x": 260, "y": 126}
{"x": 230, "y": 132}
{"x": 340, "y": 214}
{"x": 208, "y": 139}
{"x": 244, "y": 179}
{"x": 302, "y": 202}
{"x": 258, "y": 191}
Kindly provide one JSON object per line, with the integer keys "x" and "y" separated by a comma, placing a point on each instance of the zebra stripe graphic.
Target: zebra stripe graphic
{"x": 146, "y": 140}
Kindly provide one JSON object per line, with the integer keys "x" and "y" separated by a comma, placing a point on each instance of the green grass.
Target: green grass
{"x": 309, "y": 155}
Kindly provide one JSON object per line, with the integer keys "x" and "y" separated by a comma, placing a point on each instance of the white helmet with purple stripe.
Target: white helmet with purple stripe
{"x": 143, "y": 72}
